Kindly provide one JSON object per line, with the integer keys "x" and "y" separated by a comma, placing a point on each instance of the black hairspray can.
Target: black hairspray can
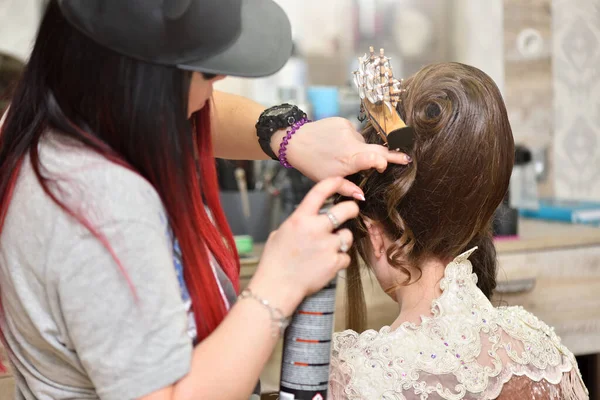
{"x": 307, "y": 347}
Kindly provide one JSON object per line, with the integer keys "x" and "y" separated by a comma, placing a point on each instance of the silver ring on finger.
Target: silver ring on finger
{"x": 344, "y": 248}
{"x": 334, "y": 221}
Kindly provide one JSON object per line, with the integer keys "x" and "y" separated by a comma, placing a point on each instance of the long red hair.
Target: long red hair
{"x": 219, "y": 241}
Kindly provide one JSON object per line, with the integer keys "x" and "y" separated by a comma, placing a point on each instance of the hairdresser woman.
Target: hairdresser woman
{"x": 118, "y": 273}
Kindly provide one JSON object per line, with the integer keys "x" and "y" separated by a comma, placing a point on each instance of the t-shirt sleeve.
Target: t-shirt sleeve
{"x": 128, "y": 326}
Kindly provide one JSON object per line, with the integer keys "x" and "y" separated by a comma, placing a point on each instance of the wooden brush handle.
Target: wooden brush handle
{"x": 387, "y": 120}
{"x": 391, "y": 127}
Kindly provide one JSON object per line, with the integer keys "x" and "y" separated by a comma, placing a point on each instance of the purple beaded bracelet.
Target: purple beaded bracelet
{"x": 283, "y": 147}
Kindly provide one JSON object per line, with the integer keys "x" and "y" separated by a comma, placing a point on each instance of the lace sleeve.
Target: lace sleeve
{"x": 337, "y": 379}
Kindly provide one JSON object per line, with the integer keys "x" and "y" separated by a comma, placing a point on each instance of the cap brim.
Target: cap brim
{"x": 262, "y": 48}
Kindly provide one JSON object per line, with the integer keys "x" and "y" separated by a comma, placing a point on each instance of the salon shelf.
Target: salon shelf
{"x": 539, "y": 235}
{"x": 535, "y": 236}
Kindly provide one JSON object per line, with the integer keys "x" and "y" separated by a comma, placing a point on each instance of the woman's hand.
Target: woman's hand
{"x": 332, "y": 147}
{"x": 303, "y": 255}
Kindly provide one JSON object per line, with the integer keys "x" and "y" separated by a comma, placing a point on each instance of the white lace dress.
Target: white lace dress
{"x": 469, "y": 349}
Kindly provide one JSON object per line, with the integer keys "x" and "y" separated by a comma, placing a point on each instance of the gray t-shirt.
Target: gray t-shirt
{"x": 78, "y": 325}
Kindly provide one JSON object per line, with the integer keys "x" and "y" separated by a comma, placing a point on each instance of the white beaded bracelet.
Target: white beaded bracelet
{"x": 278, "y": 319}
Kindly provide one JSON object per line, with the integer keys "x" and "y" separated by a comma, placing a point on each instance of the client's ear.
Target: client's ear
{"x": 376, "y": 236}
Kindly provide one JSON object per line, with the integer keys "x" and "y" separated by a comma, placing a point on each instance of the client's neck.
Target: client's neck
{"x": 415, "y": 299}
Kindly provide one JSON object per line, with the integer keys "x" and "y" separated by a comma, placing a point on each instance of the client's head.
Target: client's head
{"x": 443, "y": 203}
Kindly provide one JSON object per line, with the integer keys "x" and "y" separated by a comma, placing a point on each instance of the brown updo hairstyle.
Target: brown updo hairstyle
{"x": 442, "y": 203}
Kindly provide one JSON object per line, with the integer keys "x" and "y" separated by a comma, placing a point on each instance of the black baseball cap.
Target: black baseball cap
{"x": 249, "y": 38}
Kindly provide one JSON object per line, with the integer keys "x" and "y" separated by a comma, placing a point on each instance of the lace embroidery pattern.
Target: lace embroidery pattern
{"x": 468, "y": 350}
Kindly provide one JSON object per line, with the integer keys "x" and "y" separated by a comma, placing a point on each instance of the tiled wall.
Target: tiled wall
{"x": 576, "y": 77}
{"x": 553, "y": 97}
{"x": 528, "y": 78}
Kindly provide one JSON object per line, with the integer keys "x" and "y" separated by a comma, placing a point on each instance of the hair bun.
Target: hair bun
{"x": 433, "y": 111}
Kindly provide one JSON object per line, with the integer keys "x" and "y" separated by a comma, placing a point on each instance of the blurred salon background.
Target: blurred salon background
{"x": 544, "y": 56}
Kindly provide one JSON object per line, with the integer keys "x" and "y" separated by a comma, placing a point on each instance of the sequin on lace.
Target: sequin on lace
{"x": 468, "y": 350}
